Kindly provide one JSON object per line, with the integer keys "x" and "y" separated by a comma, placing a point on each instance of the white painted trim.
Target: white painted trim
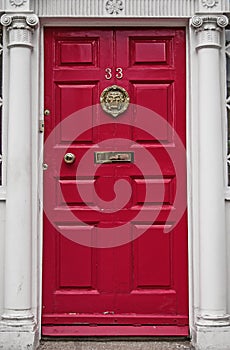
{"x": 225, "y": 116}
{"x": 115, "y": 22}
{"x": 189, "y": 179}
{"x": 40, "y": 178}
{"x": 5, "y": 86}
{"x": 227, "y": 210}
{"x": 192, "y": 177}
{"x": 208, "y": 31}
{"x": 18, "y": 322}
{"x": 227, "y": 194}
{"x": 36, "y": 173}
{"x": 2, "y": 194}
{"x": 131, "y": 8}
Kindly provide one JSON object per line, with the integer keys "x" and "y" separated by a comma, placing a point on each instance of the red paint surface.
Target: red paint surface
{"x": 144, "y": 282}
{"x": 125, "y": 331}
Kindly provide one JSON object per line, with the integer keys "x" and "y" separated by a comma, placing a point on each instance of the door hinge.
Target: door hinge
{"x": 41, "y": 125}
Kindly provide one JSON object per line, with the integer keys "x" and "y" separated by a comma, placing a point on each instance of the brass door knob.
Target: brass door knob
{"x": 69, "y": 158}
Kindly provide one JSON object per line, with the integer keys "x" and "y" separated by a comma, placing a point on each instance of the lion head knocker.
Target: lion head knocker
{"x": 114, "y": 100}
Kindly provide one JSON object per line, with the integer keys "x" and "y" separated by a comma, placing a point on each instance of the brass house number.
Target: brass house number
{"x": 109, "y": 73}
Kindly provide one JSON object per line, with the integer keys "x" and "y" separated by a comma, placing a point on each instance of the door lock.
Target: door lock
{"x": 69, "y": 158}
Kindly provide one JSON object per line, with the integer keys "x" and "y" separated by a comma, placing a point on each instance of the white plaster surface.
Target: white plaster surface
{"x": 2, "y": 230}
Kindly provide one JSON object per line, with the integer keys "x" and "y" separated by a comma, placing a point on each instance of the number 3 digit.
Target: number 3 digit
{"x": 108, "y": 74}
{"x": 119, "y": 74}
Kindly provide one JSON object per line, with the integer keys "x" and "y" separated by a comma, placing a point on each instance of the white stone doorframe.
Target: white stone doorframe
{"x": 18, "y": 323}
{"x": 212, "y": 324}
{"x": 205, "y": 21}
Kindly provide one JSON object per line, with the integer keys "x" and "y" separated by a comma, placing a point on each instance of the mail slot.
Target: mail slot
{"x": 113, "y": 157}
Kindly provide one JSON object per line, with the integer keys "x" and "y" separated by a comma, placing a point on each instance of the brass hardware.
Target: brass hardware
{"x": 113, "y": 157}
{"x": 119, "y": 74}
{"x": 69, "y": 158}
{"x": 108, "y": 74}
{"x": 114, "y": 100}
{"x": 45, "y": 166}
{"x": 46, "y": 112}
{"x": 41, "y": 125}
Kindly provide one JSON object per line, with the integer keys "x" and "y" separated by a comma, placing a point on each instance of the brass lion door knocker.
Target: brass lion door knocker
{"x": 114, "y": 100}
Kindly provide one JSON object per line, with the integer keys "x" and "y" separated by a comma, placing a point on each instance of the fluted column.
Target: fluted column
{"x": 17, "y": 315}
{"x": 212, "y": 234}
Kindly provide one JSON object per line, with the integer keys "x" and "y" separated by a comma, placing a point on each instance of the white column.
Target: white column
{"x": 213, "y": 259}
{"x": 18, "y": 317}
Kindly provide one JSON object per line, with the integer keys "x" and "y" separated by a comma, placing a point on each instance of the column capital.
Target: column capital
{"x": 208, "y": 29}
{"x": 20, "y": 27}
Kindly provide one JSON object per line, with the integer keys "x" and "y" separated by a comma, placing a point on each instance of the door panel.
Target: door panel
{"x": 143, "y": 282}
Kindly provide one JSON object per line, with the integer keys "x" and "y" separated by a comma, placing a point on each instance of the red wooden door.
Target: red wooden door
{"x": 140, "y": 287}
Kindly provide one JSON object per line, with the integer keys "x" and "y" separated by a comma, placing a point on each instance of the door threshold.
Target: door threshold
{"x": 114, "y": 331}
{"x": 114, "y": 339}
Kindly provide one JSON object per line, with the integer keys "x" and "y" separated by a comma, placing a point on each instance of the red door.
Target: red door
{"x": 131, "y": 280}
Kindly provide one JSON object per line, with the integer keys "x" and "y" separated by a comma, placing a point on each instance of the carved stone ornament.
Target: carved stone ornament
{"x": 210, "y": 3}
{"x": 20, "y": 28}
{"x": 17, "y": 3}
{"x": 19, "y": 21}
{"x": 209, "y": 22}
{"x": 114, "y": 7}
{"x": 114, "y": 100}
{"x": 208, "y": 30}
{"x": 227, "y": 51}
